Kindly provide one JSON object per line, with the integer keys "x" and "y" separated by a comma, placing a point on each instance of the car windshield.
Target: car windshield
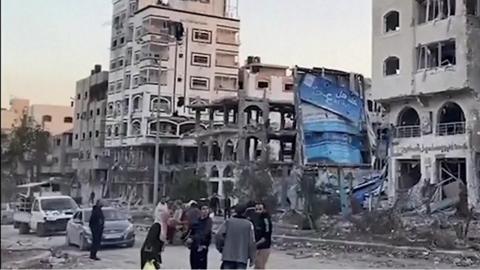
{"x": 109, "y": 214}
{"x": 58, "y": 204}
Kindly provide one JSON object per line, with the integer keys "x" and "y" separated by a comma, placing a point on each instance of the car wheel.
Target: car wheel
{"x": 83, "y": 243}
{"x": 131, "y": 244}
{"x": 41, "y": 229}
{"x": 23, "y": 228}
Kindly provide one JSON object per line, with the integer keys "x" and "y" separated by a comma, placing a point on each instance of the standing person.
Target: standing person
{"x": 152, "y": 247}
{"x": 250, "y": 213}
{"x": 200, "y": 239}
{"x": 236, "y": 241}
{"x": 263, "y": 235}
{"x": 96, "y": 223}
{"x": 91, "y": 200}
{"x": 214, "y": 203}
{"x": 161, "y": 216}
{"x": 192, "y": 214}
{"x": 228, "y": 206}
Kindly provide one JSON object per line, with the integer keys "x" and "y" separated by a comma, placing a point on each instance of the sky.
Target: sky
{"x": 48, "y": 45}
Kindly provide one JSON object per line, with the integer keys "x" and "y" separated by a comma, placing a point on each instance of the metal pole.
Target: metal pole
{"x": 157, "y": 136}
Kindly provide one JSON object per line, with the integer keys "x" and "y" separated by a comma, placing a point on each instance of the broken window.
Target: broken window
{"x": 392, "y": 21}
{"x": 410, "y": 173}
{"x": 228, "y": 172}
{"x": 370, "y": 105}
{"x": 216, "y": 152}
{"x": 203, "y": 152}
{"x": 430, "y": 10}
{"x": 473, "y": 7}
{"x": 451, "y": 120}
{"x": 263, "y": 85}
{"x": 137, "y": 103}
{"x": 408, "y": 124}
{"x": 253, "y": 149}
{"x": 439, "y": 54}
{"x": 392, "y": 66}
{"x": 214, "y": 172}
{"x": 229, "y": 150}
{"x": 187, "y": 128}
{"x": 136, "y": 128}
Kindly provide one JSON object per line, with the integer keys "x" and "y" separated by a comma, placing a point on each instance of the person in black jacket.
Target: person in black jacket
{"x": 200, "y": 239}
{"x": 263, "y": 235}
{"x": 152, "y": 247}
{"x": 96, "y": 223}
{"x": 228, "y": 207}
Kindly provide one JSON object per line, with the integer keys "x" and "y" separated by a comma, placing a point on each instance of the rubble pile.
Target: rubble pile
{"x": 305, "y": 249}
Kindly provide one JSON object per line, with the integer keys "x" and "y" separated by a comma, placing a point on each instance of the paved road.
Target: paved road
{"x": 177, "y": 256}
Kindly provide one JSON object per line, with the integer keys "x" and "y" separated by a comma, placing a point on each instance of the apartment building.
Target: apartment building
{"x": 426, "y": 74}
{"x": 93, "y": 160}
{"x": 52, "y": 118}
{"x": 255, "y": 125}
{"x": 201, "y": 67}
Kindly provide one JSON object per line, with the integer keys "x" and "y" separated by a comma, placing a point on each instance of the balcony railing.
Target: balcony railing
{"x": 447, "y": 129}
{"x": 407, "y": 131}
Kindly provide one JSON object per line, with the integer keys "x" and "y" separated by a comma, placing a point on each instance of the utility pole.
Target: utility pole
{"x": 157, "y": 135}
{"x": 175, "y": 29}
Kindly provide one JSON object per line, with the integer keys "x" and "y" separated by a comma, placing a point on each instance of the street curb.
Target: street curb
{"x": 378, "y": 245}
{"x": 26, "y": 263}
{"x": 369, "y": 244}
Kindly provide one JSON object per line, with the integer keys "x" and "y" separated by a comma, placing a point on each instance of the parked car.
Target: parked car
{"x": 118, "y": 230}
{"x": 7, "y": 213}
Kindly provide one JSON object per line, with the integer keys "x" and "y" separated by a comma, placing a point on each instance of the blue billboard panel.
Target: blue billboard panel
{"x": 325, "y": 94}
{"x": 316, "y": 119}
{"x": 331, "y": 119}
{"x": 333, "y": 148}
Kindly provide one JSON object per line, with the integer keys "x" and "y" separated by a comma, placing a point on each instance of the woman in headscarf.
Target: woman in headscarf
{"x": 152, "y": 247}
{"x": 161, "y": 216}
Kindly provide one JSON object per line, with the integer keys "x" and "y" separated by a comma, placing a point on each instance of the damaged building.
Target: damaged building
{"x": 257, "y": 124}
{"x": 430, "y": 89}
{"x": 196, "y": 62}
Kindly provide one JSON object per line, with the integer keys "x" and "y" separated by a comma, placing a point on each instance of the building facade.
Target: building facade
{"x": 257, "y": 125}
{"x": 429, "y": 87}
{"x": 202, "y": 66}
{"x": 92, "y": 160}
{"x": 52, "y": 118}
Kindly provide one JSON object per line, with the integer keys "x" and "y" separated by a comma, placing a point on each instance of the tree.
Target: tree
{"x": 189, "y": 187}
{"x": 256, "y": 183}
{"x": 28, "y": 146}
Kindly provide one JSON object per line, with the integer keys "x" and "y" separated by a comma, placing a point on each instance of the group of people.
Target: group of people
{"x": 243, "y": 239}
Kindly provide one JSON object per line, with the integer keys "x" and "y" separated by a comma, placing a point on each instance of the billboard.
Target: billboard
{"x": 332, "y": 119}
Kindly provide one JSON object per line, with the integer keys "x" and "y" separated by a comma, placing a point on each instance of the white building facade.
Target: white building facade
{"x": 202, "y": 66}
{"x": 426, "y": 74}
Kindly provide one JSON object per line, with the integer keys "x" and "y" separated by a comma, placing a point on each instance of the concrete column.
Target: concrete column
{"x": 220, "y": 187}
{"x": 392, "y": 180}
{"x": 210, "y": 152}
{"x": 197, "y": 119}
{"x": 211, "y": 117}
{"x": 226, "y": 112}
{"x": 146, "y": 193}
{"x": 473, "y": 181}
{"x": 282, "y": 148}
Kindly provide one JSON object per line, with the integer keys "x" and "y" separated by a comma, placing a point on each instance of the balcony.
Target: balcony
{"x": 407, "y": 131}
{"x": 448, "y": 129}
